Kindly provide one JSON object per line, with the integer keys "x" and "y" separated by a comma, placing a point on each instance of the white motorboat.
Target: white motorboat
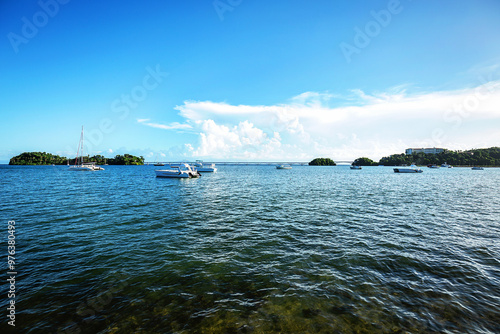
{"x": 445, "y": 165}
{"x": 284, "y": 166}
{"x": 181, "y": 171}
{"x": 411, "y": 169}
{"x": 204, "y": 168}
{"x": 477, "y": 168}
{"x": 79, "y": 164}
{"x": 355, "y": 167}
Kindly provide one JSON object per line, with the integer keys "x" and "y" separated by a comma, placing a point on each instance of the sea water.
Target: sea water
{"x": 253, "y": 249}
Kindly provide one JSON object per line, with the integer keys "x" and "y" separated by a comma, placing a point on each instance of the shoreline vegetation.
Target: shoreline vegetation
{"x": 322, "y": 162}
{"x": 484, "y": 157}
{"x": 43, "y": 158}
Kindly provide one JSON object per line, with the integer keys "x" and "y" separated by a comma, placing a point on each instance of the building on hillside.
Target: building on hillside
{"x": 433, "y": 150}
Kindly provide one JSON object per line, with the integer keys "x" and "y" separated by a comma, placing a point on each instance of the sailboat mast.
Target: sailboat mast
{"x": 82, "y": 145}
{"x": 79, "y": 151}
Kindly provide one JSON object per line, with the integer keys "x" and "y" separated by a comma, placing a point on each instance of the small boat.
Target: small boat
{"x": 445, "y": 165}
{"x": 411, "y": 169}
{"x": 284, "y": 166}
{"x": 79, "y": 164}
{"x": 181, "y": 171}
{"x": 432, "y": 166}
{"x": 477, "y": 168}
{"x": 355, "y": 167}
{"x": 204, "y": 168}
{"x": 157, "y": 163}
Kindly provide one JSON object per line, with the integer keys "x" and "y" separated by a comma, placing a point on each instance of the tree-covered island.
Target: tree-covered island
{"x": 322, "y": 162}
{"x": 477, "y": 157}
{"x": 364, "y": 162}
{"x": 43, "y": 158}
{"x": 486, "y": 157}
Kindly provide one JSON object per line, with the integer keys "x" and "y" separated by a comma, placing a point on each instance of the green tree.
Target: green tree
{"x": 43, "y": 158}
{"x": 476, "y": 157}
{"x": 322, "y": 162}
{"x": 37, "y": 158}
{"x": 364, "y": 162}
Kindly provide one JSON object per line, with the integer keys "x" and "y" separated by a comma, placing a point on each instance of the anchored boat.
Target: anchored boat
{"x": 411, "y": 169}
{"x": 201, "y": 167}
{"x": 180, "y": 171}
{"x": 285, "y": 166}
{"x": 79, "y": 164}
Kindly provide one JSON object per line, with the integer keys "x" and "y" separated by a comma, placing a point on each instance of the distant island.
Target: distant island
{"x": 43, "y": 158}
{"x": 364, "y": 162}
{"x": 486, "y": 157}
{"x": 322, "y": 162}
{"x": 478, "y": 157}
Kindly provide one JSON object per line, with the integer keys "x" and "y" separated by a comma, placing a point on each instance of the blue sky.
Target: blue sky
{"x": 254, "y": 80}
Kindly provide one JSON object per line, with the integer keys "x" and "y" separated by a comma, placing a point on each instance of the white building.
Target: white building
{"x": 433, "y": 150}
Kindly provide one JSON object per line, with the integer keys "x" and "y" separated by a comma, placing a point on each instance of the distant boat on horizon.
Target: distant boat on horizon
{"x": 157, "y": 163}
{"x": 284, "y": 166}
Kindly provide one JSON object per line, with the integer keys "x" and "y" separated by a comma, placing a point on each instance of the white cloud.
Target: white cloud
{"x": 171, "y": 126}
{"x": 372, "y": 125}
{"x": 240, "y": 141}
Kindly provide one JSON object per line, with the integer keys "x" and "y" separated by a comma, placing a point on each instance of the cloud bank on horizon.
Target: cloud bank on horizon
{"x": 357, "y": 124}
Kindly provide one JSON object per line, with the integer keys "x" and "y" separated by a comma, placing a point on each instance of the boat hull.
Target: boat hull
{"x": 407, "y": 170}
{"x": 175, "y": 174}
{"x": 81, "y": 169}
{"x": 206, "y": 169}
{"x": 87, "y": 168}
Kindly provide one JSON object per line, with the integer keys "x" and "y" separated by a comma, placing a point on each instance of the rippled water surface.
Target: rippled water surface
{"x": 253, "y": 249}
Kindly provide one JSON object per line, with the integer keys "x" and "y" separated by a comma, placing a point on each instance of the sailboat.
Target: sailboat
{"x": 79, "y": 164}
{"x": 157, "y": 163}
